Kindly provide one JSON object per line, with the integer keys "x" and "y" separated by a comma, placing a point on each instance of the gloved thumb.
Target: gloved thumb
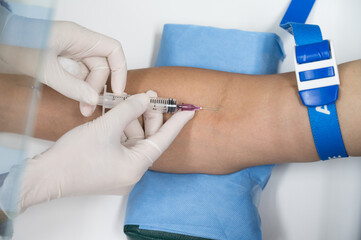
{"x": 119, "y": 117}
{"x": 155, "y": 145}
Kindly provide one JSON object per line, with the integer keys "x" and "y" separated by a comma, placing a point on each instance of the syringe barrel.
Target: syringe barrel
{"x": 163, "y": 105}
{"x": 110, "y": 101}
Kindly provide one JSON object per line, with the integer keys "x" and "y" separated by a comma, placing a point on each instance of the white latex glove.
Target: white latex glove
{"x": 91, "y": 159}
{"x": 100, "y": 54}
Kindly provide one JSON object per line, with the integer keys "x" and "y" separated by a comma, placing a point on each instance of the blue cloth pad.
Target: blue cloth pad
{"x": 200, "y": 205}
{"x": 228, "y": 50}
{"x": 208, "y": 206}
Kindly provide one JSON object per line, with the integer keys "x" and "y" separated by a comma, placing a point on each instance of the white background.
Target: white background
{"x": 302, "y": 201}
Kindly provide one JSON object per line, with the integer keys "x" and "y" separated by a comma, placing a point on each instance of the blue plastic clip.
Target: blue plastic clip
{"x": 317, "y": 75}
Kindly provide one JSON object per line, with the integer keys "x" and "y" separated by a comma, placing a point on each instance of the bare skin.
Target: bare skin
{"x": 260, "y": 120}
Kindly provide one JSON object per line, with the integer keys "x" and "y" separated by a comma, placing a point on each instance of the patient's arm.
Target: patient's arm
{"x": 261, "y": 119}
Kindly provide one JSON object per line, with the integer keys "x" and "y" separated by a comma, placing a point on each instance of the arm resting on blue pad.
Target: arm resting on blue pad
{"x": 198, "y": 205}
{"x": 268, "y": 124}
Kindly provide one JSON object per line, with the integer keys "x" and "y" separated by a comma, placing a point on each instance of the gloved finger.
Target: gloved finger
{"x": 152, "y": 120}
{"x": 97, "y": 78}
{"x": 119, "y": 70}
{"x": 155, "y": 145}
{"x": 115, "y": 121}
{"x": 78, "y": 69}
{"x": 83, "y": 71}
{"x": 99, "y": 72}
{"x": 134, "y": 130}
{"x": 94, "y": 44}
{"x": 67, "y": 84}
{"x": 123, "y": 138}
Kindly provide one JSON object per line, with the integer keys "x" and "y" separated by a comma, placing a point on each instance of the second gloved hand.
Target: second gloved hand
{"x": 91, "y": 159}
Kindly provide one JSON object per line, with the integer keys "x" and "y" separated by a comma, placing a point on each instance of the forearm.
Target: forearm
{"x": 260, "y": 119}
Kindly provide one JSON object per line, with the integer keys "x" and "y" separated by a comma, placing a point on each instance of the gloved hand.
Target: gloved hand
{"x": 90, "y": 159}
{"x": 100, "y": 54}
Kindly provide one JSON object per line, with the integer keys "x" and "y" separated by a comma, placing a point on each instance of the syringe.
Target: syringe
{"x": 163, "y": 105}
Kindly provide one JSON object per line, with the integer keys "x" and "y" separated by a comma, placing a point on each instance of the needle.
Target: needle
{"x": 212, "y": 109}
{"x": 191, "y": 107}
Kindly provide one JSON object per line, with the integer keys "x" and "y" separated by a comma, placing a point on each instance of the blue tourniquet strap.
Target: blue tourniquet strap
{"x": 323, "y": 119}
{"x": 297, "y": 12}
{"x": 326, "y": 132}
